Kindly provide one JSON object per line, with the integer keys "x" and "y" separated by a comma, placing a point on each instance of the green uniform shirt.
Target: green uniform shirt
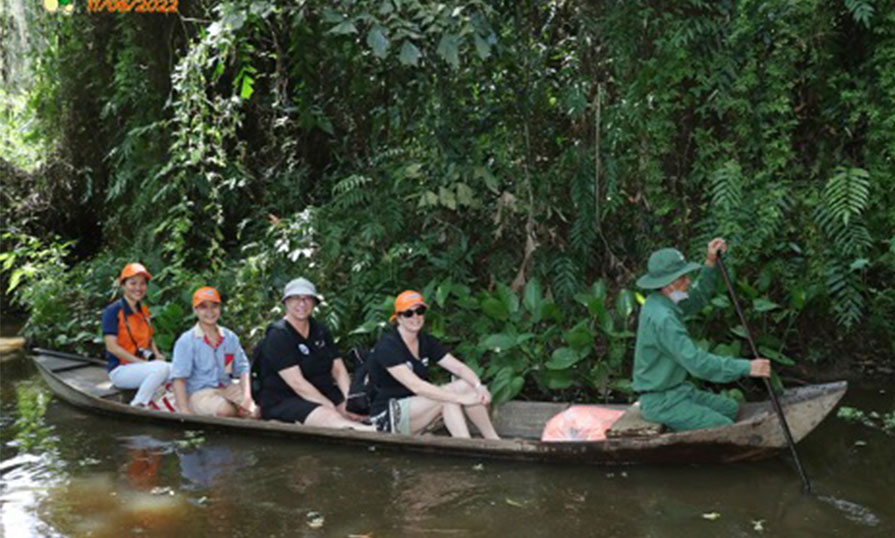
{"x": 665, "y": 353}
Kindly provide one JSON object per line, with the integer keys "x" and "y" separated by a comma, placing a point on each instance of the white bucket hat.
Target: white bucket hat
{"x": 300, "y": 286}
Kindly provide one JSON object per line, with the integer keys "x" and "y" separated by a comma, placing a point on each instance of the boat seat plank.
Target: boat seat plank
{"x": 524, "y": 419}
{"x": 632, "y": 424}
{"x": 94, "y": 381}
{"x": 58, "y": 364}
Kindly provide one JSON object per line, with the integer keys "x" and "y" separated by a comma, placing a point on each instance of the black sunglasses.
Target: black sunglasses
{"x": 419, "y": 311}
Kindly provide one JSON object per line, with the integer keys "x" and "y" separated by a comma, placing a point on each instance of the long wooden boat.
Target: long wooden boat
{"x": 83, "y": 382}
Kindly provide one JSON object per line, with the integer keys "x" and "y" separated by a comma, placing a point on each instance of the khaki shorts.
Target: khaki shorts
{"x": 207, "y": 401}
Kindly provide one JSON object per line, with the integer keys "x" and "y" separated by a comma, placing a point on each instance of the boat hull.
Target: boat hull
{"x": 83, "y": 382}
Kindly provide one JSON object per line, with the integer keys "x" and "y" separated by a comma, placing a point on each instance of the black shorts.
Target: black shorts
{"x": 297, "y": 409}
{"x": 289, "y": 410}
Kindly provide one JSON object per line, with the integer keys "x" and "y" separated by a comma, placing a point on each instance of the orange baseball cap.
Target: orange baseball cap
{"x": 205, "y": 293}
{"x": 405, "y": 300}
{"x": 133, "y": 269}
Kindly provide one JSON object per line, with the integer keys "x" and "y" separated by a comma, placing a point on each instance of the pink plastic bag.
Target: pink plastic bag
{"x": 581, "y": 423}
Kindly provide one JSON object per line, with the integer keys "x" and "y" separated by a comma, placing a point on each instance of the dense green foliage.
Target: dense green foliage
{"x": 517, "y": 160}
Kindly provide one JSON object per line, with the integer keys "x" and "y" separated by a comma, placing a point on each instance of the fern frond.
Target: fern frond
{"x": 847, "y": 193}
{"x": 861, "y": 11}
{"x": 564, "y": 277}
{"x": 350, "y": 193}
{"x": 727, "y": 187}
{"x": 846, "y": 290}
{"x": 582, "y": 235}
{"x": 350, "y": 183}
{"x": 852, "y": 240}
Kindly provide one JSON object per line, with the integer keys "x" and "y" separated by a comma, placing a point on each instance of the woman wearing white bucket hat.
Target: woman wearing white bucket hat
{"x": 303, "y": 378}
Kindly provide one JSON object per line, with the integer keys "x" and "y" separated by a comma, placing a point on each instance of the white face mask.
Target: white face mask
{"x": 677, "y": 296}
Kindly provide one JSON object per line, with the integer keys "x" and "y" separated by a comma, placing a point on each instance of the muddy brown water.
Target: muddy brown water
{"x": 91, "y": 475}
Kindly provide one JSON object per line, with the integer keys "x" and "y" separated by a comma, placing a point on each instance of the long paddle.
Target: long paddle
{"x": 806, "y": 485}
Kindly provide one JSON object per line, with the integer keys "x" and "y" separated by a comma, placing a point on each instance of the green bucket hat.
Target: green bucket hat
{"x": 664, "y": 267}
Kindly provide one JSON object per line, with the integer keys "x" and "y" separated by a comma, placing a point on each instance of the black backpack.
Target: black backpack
{"x": 256, "y": 372}
{"x": 361, "y": 392}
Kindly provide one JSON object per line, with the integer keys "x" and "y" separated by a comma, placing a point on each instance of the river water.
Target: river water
{"x": 83, "y": 475}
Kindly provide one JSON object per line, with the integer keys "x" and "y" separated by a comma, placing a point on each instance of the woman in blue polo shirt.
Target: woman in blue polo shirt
{"x": 406, "y": 402}
{"x": 303, "y": 378}
{"x": 134, "y": 360}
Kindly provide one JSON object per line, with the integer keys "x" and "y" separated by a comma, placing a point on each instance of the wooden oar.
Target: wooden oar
{"x": 806, "y": 485}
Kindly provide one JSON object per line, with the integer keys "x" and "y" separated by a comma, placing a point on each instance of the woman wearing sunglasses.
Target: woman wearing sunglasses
{"x": 406, "y": 402}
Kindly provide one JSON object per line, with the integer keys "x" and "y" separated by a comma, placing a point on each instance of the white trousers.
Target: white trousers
{"x": 143, "y": 376}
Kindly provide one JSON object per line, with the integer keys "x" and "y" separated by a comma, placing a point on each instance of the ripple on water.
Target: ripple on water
{"x": 25, "y": 479}
{"x": 853, "y": 511}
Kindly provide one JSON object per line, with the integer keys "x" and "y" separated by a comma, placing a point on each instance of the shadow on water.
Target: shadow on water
{"x": 108, "y": 477}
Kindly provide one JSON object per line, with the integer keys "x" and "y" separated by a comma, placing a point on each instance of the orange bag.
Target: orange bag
{"x": 581, "y": 423}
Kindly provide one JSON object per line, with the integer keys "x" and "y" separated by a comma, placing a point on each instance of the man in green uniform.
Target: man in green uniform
{"x": 665, "y": 353}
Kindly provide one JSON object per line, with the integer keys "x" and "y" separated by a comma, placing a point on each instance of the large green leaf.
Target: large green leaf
{"x": 509, "y": 298}
{"x": 594, "y": 304}
{"x": 549, "y": 310}
{"x": 343, "y": 28}
{"x": 378, "y": 42}
{"x": 624, "y": 304}
{"x": 495, "y": 309}
{"x": 248, "y": 87}
{"x": 449, "y": 49}
{"x": 499, "y": 342}
{"x": 410, "y": 54}
{"x": 775, "y": 356}
{"x": 484, "y": 173}
{"x": 506, "y": 385}
{"x": 482, "y": 47}
{"x": 524, "y": 337}
{"x": 739, "y": 331}
{"x": 598, "y": 289}
{"x": 580, "y": 336}
{"x": 733, "y": 349}
{"x": 563, "y": 358}
{"x": 557, "y": 379}
{"x": 442, "y": 292}
{"x": 763, "y": 304}
{"x": 532, "y": 299}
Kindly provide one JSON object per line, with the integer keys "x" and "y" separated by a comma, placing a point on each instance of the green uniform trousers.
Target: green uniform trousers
{"x": 684, "y": 407}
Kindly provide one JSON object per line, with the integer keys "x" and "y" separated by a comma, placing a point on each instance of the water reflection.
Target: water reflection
{"x": 423, "y": 498}
{"x": 208, "y": 467}
{"x": 97, "y": 505}
{"x": 144, "y": 455}
{"x": 116, "y": 478}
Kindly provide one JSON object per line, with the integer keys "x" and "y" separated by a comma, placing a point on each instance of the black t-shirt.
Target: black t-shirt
{"x": 284, "y": 347}
{"x": 390, "y": 351}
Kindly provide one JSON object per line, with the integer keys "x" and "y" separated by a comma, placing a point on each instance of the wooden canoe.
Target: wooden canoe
{"x": 83, "y": 382}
